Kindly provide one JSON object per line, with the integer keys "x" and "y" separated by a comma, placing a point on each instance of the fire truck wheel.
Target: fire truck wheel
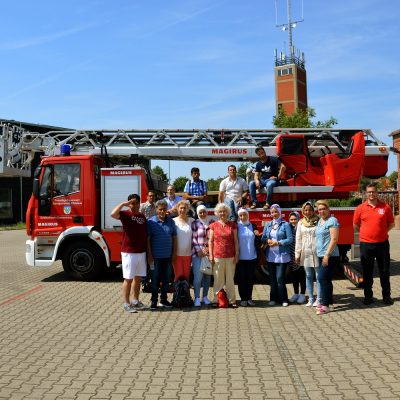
{"x": 83, "y": 261}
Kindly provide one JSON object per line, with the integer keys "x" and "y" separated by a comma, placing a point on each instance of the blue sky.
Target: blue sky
{"x": 195, "y": 64}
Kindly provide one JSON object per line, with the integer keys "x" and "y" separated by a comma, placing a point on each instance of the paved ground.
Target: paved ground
{"x": 69, "y": 340}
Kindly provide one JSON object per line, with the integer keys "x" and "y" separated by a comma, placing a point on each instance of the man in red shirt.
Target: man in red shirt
{"x": 374, "y": 219}
{"x": 133, "y": 250}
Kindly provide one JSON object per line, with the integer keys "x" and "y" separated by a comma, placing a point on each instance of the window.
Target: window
{"x": 66, "y": 179}
{"x": 60, "y": 180}
{"x": 285, "y": 71}
{"x": 6, "y": 203}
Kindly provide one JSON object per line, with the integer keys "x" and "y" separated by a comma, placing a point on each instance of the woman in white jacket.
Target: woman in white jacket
{"x": 305, "y": 251}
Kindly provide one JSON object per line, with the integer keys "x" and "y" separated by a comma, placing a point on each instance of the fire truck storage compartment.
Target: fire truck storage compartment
{"x": 116, "y": 185}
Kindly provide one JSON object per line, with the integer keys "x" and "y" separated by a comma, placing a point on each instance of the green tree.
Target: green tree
{"x": 301, "y": 119}
{"x": 393, "y": 177}
{"x": 241, "y": 171}
{"x": 364, "y": 182}
{"x": 160, "y": 172}
{"x": 179, "y": 183}
{"x": 213, "y": 184}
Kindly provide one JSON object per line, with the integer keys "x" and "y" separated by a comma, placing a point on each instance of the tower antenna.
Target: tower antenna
{"x": 290, "y": 23}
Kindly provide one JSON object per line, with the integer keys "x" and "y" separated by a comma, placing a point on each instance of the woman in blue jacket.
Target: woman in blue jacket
{"x": 277, "y": 237}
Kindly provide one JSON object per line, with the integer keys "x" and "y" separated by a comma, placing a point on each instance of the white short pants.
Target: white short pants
{"x": 133, "y": 264}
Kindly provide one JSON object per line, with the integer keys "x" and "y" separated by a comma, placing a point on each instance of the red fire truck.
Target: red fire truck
{"x": 68, "y": 216}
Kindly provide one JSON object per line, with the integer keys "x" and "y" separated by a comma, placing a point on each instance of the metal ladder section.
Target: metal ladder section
{"x": 13, "y": 162}
{"x": 20, "y": 145}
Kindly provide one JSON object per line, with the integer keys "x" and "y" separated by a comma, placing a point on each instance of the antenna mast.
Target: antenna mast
{"x": 290, "y": 23}
{"x": 292, "y": 58}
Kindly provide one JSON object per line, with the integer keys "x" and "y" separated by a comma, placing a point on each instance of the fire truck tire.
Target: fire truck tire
{"x": 83, "y": 261}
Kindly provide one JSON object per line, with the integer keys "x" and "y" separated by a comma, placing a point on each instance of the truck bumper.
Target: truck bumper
{"x": 30, "y": 256}
{"x": 30, "y": 252}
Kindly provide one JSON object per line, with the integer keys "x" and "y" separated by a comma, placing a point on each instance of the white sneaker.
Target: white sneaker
{"x": 294, "y": 298}
{"x": 301, "y": 299}
{"x": 197, "y": 302}
{"x": 309, "y": 303}
{"x": 128, "y": 308}
{"x": 285, "y": 304}
{"x": 316, "y": 303}
{"x": 206, "y": 301}
{"x": 271, "y": 303}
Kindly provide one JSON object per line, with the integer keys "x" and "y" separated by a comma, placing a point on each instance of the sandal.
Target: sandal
{"x": 266, "y": 206}
{"x": 253, "y": 206}
{"x": 234, "y": 305}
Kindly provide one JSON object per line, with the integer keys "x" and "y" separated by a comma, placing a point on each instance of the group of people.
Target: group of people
{"x": 166, "y": 236}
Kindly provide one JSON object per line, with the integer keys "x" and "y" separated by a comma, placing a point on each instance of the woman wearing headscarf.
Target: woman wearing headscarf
{"x": 277, "y": 236}
{"x": 305, "y": 251}
{"x": 296, "y": 270}
{"x": 200, "y": 229}
{"x": 247, "y": 234}
{"x": 327, "y": 234}
{"x": 224, "y": 252}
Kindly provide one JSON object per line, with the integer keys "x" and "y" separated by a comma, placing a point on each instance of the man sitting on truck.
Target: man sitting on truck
{"x": 233, "y": 191}
{"x": 195, "y": 189}
{"x": 267, "y": 174}
{"x": 133, "y": 250}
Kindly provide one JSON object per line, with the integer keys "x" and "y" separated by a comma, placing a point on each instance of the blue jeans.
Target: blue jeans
{"x": 310, "y": 273}
{"x": 160, "y": 274}
{"x": 325, "y": 279}
{"x": 277, "y": 273}
{"x": 199, "y": 277}
{"x": 269, "y": 184}
{"x": 234, "y": 207}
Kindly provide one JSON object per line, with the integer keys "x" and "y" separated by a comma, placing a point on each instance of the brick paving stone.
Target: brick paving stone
{"x": 85, "y": 344}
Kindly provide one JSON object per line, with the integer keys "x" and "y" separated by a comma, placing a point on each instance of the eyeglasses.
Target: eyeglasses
{"x": 371, "y": 192}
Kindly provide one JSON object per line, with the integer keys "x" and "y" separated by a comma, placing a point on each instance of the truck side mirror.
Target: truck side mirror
{"x": 35, "y": 189}
{"x": 36, "y": 185}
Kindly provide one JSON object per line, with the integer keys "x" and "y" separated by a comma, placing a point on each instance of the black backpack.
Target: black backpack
{"x": 182, "y": 298}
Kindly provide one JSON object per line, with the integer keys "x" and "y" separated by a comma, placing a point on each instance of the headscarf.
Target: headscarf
{"x": 278, "y": 208}
{"x": 244, "y": 211}
{"x": 296, "y": 214}
{"x": 205, "y": 221}
{"x": 309, "y": 222}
